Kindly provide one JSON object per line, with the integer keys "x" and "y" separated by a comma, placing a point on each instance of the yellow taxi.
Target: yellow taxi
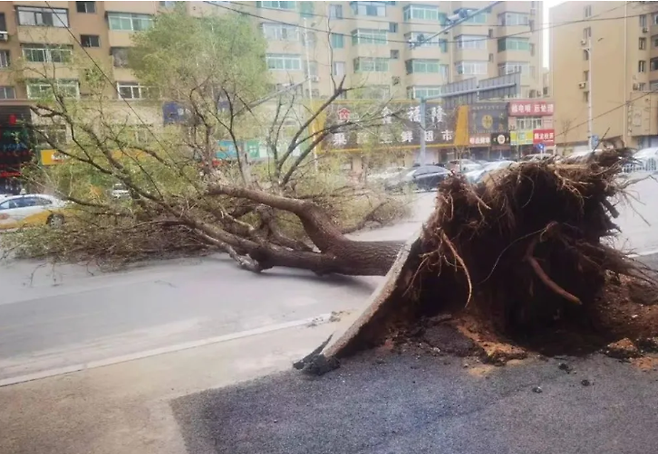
{"x": 30, "y": 210}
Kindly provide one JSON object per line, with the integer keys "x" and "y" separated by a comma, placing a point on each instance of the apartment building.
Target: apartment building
{"x": 606, "y": 53}
{"x": 392, "y": 48}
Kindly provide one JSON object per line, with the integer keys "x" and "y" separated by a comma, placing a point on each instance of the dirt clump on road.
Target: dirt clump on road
{"x": 520, "y": 263}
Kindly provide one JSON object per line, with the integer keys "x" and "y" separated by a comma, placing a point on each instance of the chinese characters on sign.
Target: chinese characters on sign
{"x": 521, "y": 137}
{"x": 398, "y": 124}
{"x": 545, "y": 136}
{"x": 530, "y": 108}
{"x": 480, "y": 140}
{"x": 487, "y": 117}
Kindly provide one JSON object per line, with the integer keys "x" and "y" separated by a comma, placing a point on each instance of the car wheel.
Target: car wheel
{"x": 55, "y": 221}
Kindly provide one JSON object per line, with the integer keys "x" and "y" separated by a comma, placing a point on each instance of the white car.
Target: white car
{"x": 645, "y": 160}
{"x": 31, "y": 209}
{"x": 475, "y": 176}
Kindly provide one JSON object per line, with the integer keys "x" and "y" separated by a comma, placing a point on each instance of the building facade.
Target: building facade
{"x": 606, "y": 53}
{"x": 391, "y": 48}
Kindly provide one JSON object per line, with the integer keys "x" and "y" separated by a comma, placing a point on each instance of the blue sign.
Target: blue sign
{"x": 227, "y": 150}
{"x": 540, "y": 147}
{"x": 595, "y": 140}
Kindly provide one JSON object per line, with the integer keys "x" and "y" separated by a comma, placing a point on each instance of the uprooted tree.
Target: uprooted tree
{"x": 278, "y": 212}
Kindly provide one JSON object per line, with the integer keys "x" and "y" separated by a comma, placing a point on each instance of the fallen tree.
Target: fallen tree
{"x": 521, "y": 255}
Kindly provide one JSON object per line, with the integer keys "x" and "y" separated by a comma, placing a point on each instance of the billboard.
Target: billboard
{"x": 486, "y": 118}
{"x": 531, "y": 108}
{"x": 521, "y": 137}
{"x": 394, "y": 125}
{"x": 545, "y": 136}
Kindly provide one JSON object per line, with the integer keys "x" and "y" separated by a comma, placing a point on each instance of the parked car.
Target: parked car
{"x": 645, "y": 160}
{"x": 386, "y": 174}
{"x": 463, "y": 165}
{"x": 475, "y": 176}
{"x": 536, "y": 157}
{"x": 421, "y": 177}
{"x": 119, "y": 191}
{"x": 31, "y": 209}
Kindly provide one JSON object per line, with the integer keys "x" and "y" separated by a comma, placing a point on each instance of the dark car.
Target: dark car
{"x": 421, "y": 177}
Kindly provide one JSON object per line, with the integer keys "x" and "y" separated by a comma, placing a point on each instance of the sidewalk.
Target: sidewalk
{"x": 125, "y": 408}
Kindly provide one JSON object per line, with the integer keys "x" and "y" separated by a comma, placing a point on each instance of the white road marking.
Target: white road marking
{"x": 311, "y": 321}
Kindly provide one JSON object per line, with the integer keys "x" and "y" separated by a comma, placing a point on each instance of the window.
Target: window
{"x": 480, "y": 18}
{"x": 585, "y": 76}
{"x": 339, "y": 68}
{"x": 85, "y": 7}
{"x": 280, "y": 32}
{"x": 167, "y": 5}
{"x": 642, "y": 66}
{"x": 90, "y": 41}
{"x": 363, "y": 36}
{"x": 276, "y": 5}
{"x": 335, "y": 11}
{"x": 505, "y": 44}
{"x": 422, "y": 66}
{"x": 588, "y": 11}
{"x": 3, "y": 23}
{"x": 471, "y": 41}
{"x": 586, "y": 96}
{"x": 129, "y": 22}
{"x": 52, "y": 135}
{"x": 525, "y": 123}
{"x": 653, "y": 85}
{"x": 393, "y": 27}
{"x": 642, "y": 44}
{"x": 373, "y": 92}
{"x": 510, "y": 19}
{"x": 41, "y": 53}
{"x": 423, "y": 92}
{"x": 421, "y": 12}
{"x": 306, "y": 9}
{"x": 532, "y": 50}
{"x": 587, "y": 32}
{"x": 642, "y": 86}
{"x": 654, "y": 41}
{"x": 653, "y": 64}
{"x": 311, "y": 68}
{"x": 585, "y": 55}
{"x": 643, "y": 20}
{"x": 367, "y": 64}
{"x": 133, "y": 90}
{"x": 369, "y": 9}
{"x": 4, "y": 59}
{"x": 337, "y": 41}
{"x": 7, "y": 92}
{"x": 37, "y": 89}
{"x": 395, "y": 54}
{"x": 284, "y": 62}
{"x": 119, "y": 56}
{"x": 42, "y": 17}
{"x": 472, "y": 67}
{"x": 511, "y": 67}
{"x": 655, "y": 19}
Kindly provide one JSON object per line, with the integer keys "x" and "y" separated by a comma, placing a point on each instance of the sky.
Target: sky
{"x": 547, "y": 4}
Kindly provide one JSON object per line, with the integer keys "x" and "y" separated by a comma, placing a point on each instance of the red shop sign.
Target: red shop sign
{"x": 545, "y": 136}
{"x": 530, "y": 108}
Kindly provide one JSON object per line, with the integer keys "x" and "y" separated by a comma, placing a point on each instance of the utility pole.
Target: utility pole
{"x": 310, "y": 88}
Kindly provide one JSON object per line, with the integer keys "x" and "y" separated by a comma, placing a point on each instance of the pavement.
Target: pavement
{"x": 403, "y": 403}
{"x": 142, "y": 337}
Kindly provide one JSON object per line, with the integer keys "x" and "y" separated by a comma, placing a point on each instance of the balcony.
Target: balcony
{"x": 49, "y": 35}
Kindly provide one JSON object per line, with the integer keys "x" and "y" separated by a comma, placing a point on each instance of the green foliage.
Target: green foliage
{"x": 181, "y": 53}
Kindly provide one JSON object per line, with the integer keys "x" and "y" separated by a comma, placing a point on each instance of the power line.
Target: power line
{"x": 621, "y": 106}
{"x": 485, "y": 38}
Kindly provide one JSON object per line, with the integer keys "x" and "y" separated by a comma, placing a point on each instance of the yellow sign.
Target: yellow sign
{"x": 52, "y": 157}
{"x": 520, "y": 137}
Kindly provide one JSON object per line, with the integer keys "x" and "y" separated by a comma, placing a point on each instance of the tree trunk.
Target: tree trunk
{"x": 352, "y": 258}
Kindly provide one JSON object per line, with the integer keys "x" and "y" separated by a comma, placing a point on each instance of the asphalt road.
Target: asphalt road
{"x": 64, "y": 318}
{"x": 406, "y": 404}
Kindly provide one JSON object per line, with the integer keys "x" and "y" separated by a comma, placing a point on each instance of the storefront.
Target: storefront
{"x": 15, "y": 146}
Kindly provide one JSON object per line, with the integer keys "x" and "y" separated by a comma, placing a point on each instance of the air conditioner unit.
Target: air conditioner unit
{"x": 582, "y": 85}
{"x": 533, "y": 11}
{"x": 645, "y": 30}
{"x": 4, "y": 36}
{"x": 315, "y": 78}
{"x": 636, "y": 87}
{"x": 583, "y": 42}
